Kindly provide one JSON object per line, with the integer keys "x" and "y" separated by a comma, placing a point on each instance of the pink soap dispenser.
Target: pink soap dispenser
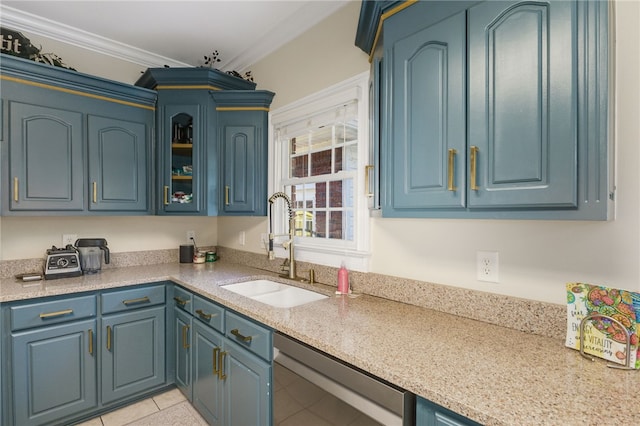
{"x": 343, "y": 280}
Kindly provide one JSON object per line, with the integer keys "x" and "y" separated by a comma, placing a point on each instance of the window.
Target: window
{"x": 320, "y": 149}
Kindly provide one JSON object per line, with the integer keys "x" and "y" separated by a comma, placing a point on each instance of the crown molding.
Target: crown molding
{"x": 22, "y": 21}
{"x": 311, "y": 13}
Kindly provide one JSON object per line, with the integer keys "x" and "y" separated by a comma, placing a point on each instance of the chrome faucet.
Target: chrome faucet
{"x": 288, "y": 245}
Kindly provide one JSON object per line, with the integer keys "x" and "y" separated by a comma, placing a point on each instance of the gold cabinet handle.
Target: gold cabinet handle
{"x": 474, "y": 168}
{"x": 95, "y": 192}
{"x": 166, "y": 195}
{"x": 451, "y": 168}
{"x": 180, "y": 301}
{"x": 144, "y": 299}
{"x": 185, "y": 332}
{"x": 226, "y": 195}
{"x": 216, "y": 353}
{"x": 108, "y": 337}
{"x": 205, "y": 315}
{"x": 221, "y": 374}
{"x": 236, "y": 333}
{"x": 15, "y": 188}
{"x": 367, "y": 187}
{"x": 56, "y": 314}
{"x": 90, "y": 341}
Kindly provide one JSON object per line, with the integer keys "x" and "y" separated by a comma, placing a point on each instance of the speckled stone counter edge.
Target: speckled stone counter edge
{"x": 530, "y": 316}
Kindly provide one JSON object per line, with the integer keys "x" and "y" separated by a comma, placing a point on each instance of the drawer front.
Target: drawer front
{"x": 126, "y": 300}
{"x": 253, "y": 336}
{"x": 209, "y": 313}
{"x": 52, "y": 312}
{"x": 183, "y": 299}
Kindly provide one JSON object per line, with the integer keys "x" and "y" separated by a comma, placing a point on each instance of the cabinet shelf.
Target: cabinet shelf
{"x": 181, "y": 177}
{"x": 181, "y": 145}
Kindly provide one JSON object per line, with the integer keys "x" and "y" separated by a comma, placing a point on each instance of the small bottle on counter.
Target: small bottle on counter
{"x": 343, "y": 280}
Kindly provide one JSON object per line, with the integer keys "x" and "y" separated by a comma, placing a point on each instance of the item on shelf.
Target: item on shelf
{"x": 181, "y": 197}
{"x": 611, "y": 326}
{"x": 187, "y": 170}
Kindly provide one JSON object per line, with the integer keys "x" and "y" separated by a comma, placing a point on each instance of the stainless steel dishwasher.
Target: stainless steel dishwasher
{"x": 306, "y": 379}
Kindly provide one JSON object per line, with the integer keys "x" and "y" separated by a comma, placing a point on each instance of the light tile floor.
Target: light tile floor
{"x": 169, "y": 408}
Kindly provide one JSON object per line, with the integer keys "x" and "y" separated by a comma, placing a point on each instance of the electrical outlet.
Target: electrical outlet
{"x": 241, "y": 238}
{"x": 191, "y": 236}
{"x": 487, "y": 266}
{"x": 69, "y": 239}
{"x": 264, "y": 240}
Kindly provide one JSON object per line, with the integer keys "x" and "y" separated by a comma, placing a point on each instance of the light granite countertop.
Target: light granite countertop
{"x": 492, "y": 374}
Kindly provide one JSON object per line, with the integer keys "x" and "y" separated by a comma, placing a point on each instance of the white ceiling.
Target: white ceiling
{"x": 175, "y": 33}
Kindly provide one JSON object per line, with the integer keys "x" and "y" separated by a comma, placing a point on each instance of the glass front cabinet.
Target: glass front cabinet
{"x": 189, "y": 160}
{"x": 180, "y": 154}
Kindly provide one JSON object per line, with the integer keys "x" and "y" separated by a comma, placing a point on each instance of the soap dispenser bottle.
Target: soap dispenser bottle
{"x": 343, "y": 280}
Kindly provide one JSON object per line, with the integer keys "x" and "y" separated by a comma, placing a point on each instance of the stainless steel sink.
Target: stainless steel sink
{"x": 275, "y": 294}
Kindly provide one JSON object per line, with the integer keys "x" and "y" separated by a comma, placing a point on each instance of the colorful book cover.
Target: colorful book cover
{"x": 603, "y": 337}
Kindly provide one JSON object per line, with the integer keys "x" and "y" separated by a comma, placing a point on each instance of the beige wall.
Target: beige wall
{"x": 536, "y": 257}
{"x": 29, "y": 237}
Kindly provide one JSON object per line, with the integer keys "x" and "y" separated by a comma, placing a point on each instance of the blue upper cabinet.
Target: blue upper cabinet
{"x": 192, "y": 144}
{"x": 118, "y": 166}
{"x": 428, "y": 116}
{"x": 242, "y": 131}
{"x": 492, "y": 109}
{"x": 523, "y": 105}
{"x": 45, "y": 159}
{"x": 77, "y": 144}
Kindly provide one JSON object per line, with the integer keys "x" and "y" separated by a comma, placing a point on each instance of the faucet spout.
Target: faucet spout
{"x": 288, "y": 244}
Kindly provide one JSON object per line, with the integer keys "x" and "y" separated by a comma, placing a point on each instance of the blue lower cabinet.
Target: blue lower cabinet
{"x": 133, "y": 352}
{"x": 430, "y": 414}
{"x": 247, "y": 387}
{"x": 207, "y": 383}
{"x": 231, "y": 370}
{"x": 183, "y": 347}
{"x": 64, "y": 359}
{"x": 54, "y": 372}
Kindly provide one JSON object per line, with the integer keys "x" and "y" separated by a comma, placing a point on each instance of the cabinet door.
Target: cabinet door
{"x": 239, "y": 146}
{"x": 54, "y": 372}
{"x": 428, "y": 117}
{"x": 430, "y": 414}
{"x": 46, "y": 158}
{"x": 182, "y": 333}
{"x": 207, "y": 385}
{"x": 247, "y": 387}
{"x": 523, "y": 104}
{"x": 133, "y": 352}
{"x": 372, "y": 174}
{"x": 181, "y": 146}
{"x": 117, "y": 165}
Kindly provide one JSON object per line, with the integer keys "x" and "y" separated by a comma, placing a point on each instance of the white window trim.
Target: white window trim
{"x": 356, "y": 255}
